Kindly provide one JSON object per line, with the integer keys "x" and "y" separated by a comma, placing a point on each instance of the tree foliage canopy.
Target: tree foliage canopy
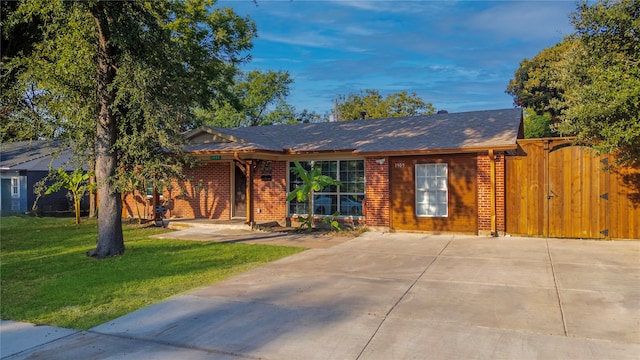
{"x": 590, "y": 82}
{"x": 352, "y": 106}
{"x": 256, "y": 98}
{"x": 534, "y": 85}
{"x": 537, "y": 125}
{"x": 601, "y": 78}
{"x": 118, "y": 81}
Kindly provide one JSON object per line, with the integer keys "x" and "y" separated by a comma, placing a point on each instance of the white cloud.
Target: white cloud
{"x": 459, "y": 55}
{"x": 530, "y": 20}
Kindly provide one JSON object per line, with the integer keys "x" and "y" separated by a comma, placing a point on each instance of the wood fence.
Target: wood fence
{"x": 557, "y": 189}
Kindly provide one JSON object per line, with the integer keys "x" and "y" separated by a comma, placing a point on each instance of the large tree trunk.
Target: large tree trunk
{"x": 110, "y": 239}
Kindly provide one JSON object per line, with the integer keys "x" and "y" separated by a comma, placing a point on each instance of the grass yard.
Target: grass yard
{"x": 46, "y": 278}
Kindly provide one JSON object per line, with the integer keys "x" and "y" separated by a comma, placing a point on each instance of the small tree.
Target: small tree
{"x": 312, "y": 180}
{"x": 76, "y": 182}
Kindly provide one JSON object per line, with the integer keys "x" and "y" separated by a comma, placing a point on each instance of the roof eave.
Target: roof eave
{"x": 437, "y": 151}
{"x": 309, "y": 152}
{"x": 212, "y": 152}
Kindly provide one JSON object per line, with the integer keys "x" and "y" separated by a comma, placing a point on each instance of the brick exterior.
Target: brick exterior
{"x": 206, "y": 194}
{"x": 377, "y": 211}
{"x": 484, "y": 193}
{"x": 131, "y": 205}
{"x": 270, "y": 196}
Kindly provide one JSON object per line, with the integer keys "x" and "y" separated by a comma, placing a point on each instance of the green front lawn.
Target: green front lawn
{"x": 46, "y": 278}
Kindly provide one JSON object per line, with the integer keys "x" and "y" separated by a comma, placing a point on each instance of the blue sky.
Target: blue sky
{"x": 456, "y": 55}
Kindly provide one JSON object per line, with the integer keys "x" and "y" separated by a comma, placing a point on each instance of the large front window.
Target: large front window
{"x": 432, "y": 192}
{"x": 346, "y": 199}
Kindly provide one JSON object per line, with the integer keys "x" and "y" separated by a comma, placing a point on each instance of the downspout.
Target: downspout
{"x": 492, "y": 179}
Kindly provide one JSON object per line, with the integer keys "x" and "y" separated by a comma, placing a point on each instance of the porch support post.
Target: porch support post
{"x": 492, "y": 177}
{"x": 249, "y": 191}
{"x": 248, "y": 172}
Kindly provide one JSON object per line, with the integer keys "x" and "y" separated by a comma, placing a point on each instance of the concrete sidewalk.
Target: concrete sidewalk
{"x": 395, "y": 296}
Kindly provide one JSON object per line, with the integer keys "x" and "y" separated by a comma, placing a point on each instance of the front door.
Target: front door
{"x": 240, "y": 193}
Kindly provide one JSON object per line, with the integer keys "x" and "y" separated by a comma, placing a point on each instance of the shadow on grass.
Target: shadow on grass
{"x": 47, "y": 279}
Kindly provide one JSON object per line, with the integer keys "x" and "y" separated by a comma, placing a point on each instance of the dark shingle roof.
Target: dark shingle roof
{"x": 36, "y": 155}
{"x": 440, "y": 132}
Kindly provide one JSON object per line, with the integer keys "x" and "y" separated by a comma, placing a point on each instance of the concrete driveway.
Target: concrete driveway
{"x": 395, "y": 296}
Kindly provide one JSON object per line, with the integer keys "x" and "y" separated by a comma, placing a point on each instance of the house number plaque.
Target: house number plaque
{"x": 399, "y": 165}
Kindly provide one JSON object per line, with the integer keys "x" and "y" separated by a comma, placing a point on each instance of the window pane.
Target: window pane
{"x": 294, "y": 179}
{"x": 441, "y": 184}
{"x": 431, "y": 190}
{"x": 15, "y": 187}
{"x": 351, "y": 205}
{"x": 297, "y": 208}
{"x": 330, "y": 169}
{"x": 433, "y": 197}
{"x": 422, "y": 196}
{"x": 325, "y": 204}
{"x": 328, "y": 200}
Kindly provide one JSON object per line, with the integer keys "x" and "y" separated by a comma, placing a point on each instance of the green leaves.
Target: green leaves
{"x": 312, "y": 180}
{"x": 249, "y": 99}
{"x": 535, "y": 82}
{"x": 371, "y": 102}
{"x": 169, "y": 57}
{"x": 77, "y": 182}
{"x": 601, "y": 75}
{"x": 590, "y": 82}
{"x": 74, "y": 181}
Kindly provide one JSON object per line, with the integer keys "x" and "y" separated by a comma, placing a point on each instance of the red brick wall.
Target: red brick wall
{"x": 484, "y": 193}
{"x": 271, "y": 196}
{"x": 207, "y": 193}
{"x": 377, "y": 192}
{"x": 144, "y": 206}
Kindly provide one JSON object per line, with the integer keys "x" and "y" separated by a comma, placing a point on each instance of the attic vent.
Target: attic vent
{"x": 443, "y": 112}
{"x": 219, "y": 139}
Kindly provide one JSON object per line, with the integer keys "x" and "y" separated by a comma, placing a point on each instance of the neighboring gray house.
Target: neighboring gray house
{"x": 22, "y": 165}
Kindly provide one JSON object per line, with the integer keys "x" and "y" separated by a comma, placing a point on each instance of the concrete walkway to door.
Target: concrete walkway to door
{"x": 395, "y": 296}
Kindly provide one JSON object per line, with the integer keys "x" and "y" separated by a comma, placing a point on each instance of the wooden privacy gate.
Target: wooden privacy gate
{"x": 556, "y": 189}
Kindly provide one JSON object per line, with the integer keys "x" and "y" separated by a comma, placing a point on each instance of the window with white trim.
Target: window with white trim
{"x": 432, "y": 191}
{"x": 346, "y": 199}
{"x": 15, "y": 187}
